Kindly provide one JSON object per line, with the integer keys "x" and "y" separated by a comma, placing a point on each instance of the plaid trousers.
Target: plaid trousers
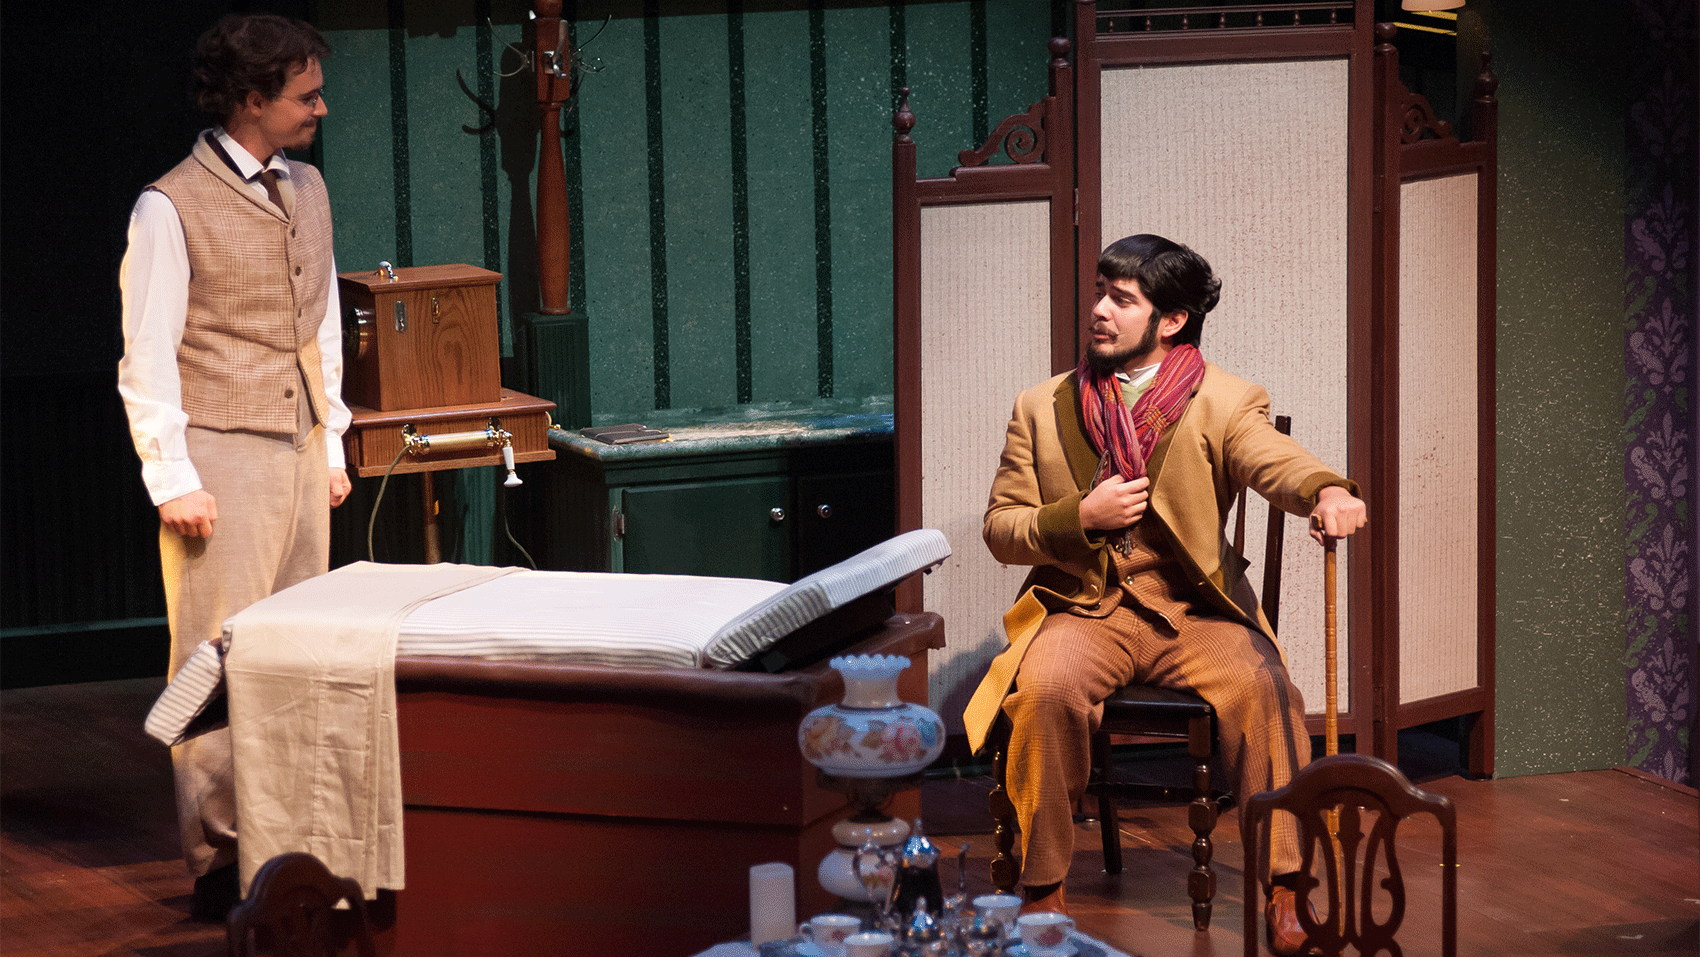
{"x": 1146, "y": 631}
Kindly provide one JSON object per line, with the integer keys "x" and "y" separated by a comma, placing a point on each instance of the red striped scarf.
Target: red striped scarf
{"x": 1123, "y": 436}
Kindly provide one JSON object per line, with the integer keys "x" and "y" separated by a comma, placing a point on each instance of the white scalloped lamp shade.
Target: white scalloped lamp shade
{"x": 872, "y": 733}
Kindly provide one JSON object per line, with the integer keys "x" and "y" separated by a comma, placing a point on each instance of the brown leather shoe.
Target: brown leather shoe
{"x": 1047, "y": 899}
{"x": 1281, "y": 915}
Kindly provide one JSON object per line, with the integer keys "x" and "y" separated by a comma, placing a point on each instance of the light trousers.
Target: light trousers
{"x": 273, "y": 530}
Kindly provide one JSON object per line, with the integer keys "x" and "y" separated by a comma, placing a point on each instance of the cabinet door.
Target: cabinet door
{"x": 733, "y": 528}
{"x": 840, "y": 514}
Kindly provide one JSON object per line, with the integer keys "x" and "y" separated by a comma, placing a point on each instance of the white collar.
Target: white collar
{"x": 246, "y": 164}
{"x": 1141, "y": 375}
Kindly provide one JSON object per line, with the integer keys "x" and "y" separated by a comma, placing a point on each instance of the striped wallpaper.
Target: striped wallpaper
{"x": 728, "y": 171}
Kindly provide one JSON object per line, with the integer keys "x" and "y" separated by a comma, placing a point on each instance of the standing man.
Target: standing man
{"x": 1114, "y": 484}
{"x": 232, "y": 375}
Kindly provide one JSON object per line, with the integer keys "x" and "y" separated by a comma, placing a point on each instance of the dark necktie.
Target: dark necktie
{"x": 268, "y": 179}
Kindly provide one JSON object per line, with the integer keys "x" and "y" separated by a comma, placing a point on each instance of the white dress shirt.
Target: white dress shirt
{"x": 154, "y": 280}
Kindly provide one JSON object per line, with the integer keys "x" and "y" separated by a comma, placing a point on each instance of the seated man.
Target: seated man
{"x": 1114, "y": 484}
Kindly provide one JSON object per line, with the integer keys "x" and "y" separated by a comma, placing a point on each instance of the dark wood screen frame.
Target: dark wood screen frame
{"x": 1411, "y": 145}
{"x": 1040, "y": 144}
{"x": 1288, "y": 33}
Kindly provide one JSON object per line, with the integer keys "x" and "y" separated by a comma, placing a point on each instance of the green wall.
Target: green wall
{"x": 728, "y": 167}
{"x": 1561, "y": 604}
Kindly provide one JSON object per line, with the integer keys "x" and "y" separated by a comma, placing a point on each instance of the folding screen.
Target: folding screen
{"x": 1434, "y": 275}
{"x": 984, "y": 306}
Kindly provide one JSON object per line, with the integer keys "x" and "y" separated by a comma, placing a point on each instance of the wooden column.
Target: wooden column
{"x": 552, "y": 61}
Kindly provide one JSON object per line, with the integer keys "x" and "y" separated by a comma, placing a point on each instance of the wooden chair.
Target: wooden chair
{"x": 291, "y": 911}
{"x": 1350, "y": 785}
{"x": 1149, "y": 711}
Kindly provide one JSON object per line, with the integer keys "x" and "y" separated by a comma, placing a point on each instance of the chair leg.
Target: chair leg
{"x": 1109, "y": 824}
{"x": 1005, "y": 870}
{"x": 1201, "y": 816}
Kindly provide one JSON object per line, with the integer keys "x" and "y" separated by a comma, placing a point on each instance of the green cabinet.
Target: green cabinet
{"x": 773, "y": 500}
{"x": 733, "y": 527}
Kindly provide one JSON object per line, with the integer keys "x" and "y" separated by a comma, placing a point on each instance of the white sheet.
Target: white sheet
{"x": 596, "y": 618}
{"x": 311, "y": 677}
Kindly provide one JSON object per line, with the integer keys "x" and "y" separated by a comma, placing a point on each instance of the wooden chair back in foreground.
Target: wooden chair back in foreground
{"x": 291, "y": 911}
{"x": 1364, "y": 879}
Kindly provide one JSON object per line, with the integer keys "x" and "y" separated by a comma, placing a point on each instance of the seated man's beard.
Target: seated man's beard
{"x": 1105, "y": 363}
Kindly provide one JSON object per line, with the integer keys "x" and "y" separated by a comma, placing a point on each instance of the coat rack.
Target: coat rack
{"x": 552, "y": 60}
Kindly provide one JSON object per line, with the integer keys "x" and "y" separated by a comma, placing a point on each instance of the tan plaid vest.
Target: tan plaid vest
{"x": 258, "y": 288}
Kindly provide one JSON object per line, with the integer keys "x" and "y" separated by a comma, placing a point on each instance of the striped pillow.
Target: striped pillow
{"x": 197, "y": 684}
{"x": 809, "y": 598}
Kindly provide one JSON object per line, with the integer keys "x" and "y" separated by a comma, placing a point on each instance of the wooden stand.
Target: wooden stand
{"x": 375, "y": 441}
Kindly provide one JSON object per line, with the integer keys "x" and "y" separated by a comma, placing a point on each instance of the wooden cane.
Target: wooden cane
{"x": 1331, "y": 702}
{"x": 1331, "y": 716}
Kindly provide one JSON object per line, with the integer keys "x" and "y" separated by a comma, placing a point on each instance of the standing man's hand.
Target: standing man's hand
{"x": 1338, "y": 513}
{"x": 191, "y": 515}
{"x": 340, "y": 486}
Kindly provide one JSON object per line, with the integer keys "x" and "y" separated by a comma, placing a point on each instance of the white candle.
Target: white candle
{"x": 773, "y": 904}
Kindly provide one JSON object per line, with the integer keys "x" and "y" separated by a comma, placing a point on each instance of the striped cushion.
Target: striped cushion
{"x": 809, "y": 598}
{"x": 197, "y": 684}
{"x": 582, "y": 617}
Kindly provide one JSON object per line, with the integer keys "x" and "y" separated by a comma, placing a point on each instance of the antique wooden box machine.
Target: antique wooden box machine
{"x": 422, "y": 372}
{"x": 421, "y": 337}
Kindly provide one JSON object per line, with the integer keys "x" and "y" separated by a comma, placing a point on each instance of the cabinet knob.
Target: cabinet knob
{"x": 823, "y": 510}
{"x": 777, "y": 514}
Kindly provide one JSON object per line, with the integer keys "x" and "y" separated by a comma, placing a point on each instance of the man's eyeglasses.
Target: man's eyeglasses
{"x": 309, "y": 100}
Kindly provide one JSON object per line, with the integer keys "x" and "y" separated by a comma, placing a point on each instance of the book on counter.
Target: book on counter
{"x": 624, "y": 434}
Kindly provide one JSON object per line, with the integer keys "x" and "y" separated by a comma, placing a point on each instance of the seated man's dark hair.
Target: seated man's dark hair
{"x": 242, "y": 53}
{"x": 1171, "y": 275}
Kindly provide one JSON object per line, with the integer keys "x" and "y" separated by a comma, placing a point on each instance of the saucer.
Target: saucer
{"x": 1020, "y": 950}
{"x": 794, "y": 947}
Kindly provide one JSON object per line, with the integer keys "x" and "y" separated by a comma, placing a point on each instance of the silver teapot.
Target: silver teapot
{"x": 918, "y": 886}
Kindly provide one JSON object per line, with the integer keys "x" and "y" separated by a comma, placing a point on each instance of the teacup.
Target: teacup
{"x": 827, "y": 931}
{"x": 999, "y": 909}
{"x": 870, "y": 943}
{"x": 1046, "y": 933}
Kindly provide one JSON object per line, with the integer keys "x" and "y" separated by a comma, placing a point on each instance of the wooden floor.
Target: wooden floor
{"x": 1598, "y": 863}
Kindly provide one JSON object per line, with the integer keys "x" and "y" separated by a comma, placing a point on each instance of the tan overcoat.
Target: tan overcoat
{"x": 1223, "y": 442}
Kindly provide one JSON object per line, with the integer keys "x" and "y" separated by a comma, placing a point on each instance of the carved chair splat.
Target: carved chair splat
{"x": 1365, "y": 904}
{"x": 291, "y": 911}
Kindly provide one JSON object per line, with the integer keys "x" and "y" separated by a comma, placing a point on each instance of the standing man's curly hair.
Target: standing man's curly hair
{"x": 250, "y": 53}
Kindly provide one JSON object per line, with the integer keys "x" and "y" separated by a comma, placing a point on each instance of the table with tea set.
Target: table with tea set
{"x": 885, "y": 872}
{"x": 988, "y": 927}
